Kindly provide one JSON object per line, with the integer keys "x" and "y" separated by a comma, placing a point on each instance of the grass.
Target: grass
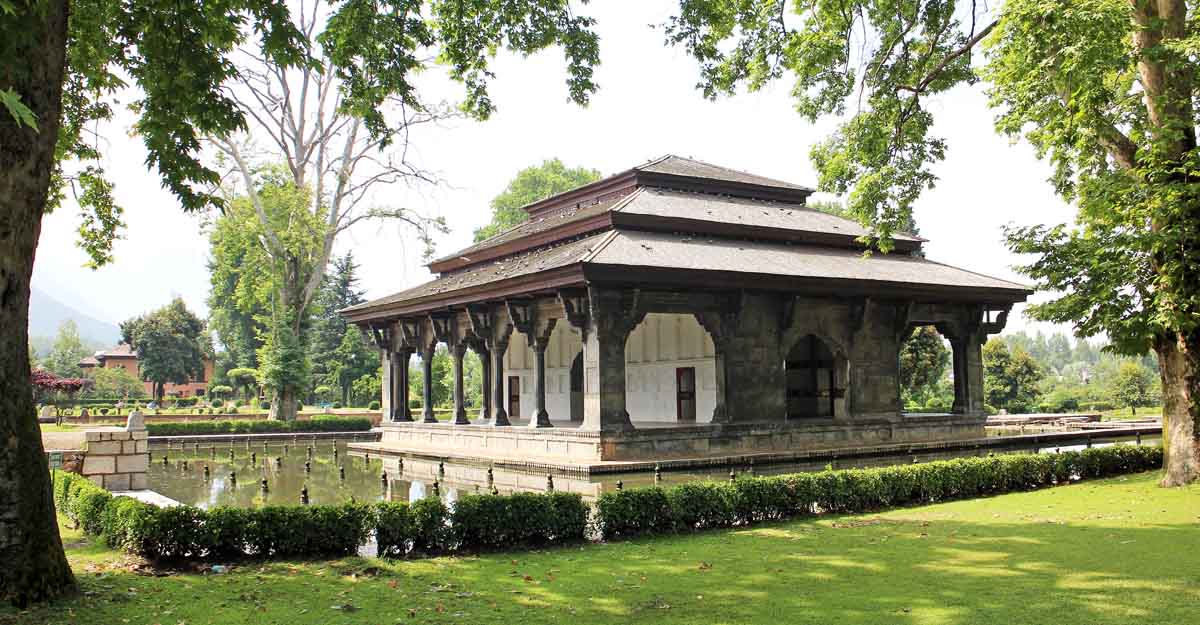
{"x": 1125, "y": 414}
{"x": 1111, "y": 551}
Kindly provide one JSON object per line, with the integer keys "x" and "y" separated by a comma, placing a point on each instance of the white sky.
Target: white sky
{"x": 647, "y": 106}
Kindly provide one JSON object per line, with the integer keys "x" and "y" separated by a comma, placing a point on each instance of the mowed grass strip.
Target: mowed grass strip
{"x": 1121, "y": 550}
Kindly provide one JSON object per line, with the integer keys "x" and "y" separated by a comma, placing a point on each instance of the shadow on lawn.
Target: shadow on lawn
{"x": 860, "y": 569}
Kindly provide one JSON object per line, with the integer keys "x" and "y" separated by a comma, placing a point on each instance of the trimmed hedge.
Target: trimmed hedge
{"x": 248, "y": 426}
{"x": 426, "y": 526}
{"x": 530, "y": 520}
{"x": 696, "y": 506}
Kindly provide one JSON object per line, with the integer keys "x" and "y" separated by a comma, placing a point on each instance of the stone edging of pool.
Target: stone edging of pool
{"x": 158, "y": 442}
{"x": 584, "y": 469}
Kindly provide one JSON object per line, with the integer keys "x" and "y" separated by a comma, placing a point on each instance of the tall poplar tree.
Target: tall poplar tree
{"x": 62, "y": 63}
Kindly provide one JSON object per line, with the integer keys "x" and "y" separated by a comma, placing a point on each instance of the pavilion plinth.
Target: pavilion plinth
{"x": 568, "y": 444}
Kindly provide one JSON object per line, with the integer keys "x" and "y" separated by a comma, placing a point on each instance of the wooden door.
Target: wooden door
{"x": 514, "y": 396}
{"x": 685, "y": 393}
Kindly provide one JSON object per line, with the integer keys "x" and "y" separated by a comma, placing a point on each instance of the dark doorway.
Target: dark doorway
{"x": 685, "y": 394}
{"x": 811, "y": 379}
{"x": 577, "y": 388}
{"x": 514, "y": 396}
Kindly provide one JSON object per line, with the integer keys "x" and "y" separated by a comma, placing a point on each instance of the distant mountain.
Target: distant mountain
{"x": 47, "y": 313}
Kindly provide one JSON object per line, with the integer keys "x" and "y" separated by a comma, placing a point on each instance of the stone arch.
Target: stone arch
{"x": 815, "y": 378}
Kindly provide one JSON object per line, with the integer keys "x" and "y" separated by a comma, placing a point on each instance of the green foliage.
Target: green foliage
{"x": 248, "y": 426}
{"x": 116, "y": 382}
{"x": 531, "y": 184}
{"x": 748, "y": 500}
{"x": 339, "y": 353}
{"x": 171, "y": 344}
{"x": 1010, "y": 379}
{"x": 924, "y": 359}
{"x": 68, "y": 350}
{"x": 443, "y": 376}
{"x": 220, "y": 391}
{"x": 1135, "y": 386}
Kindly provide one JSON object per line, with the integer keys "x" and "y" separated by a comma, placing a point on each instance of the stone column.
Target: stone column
{"x": 427, "y": 389}
{"x": 540, "y": 418}
{"x": 387, "y": 389}
{"x": 967, "y": 353}
{"x": 457, "y": 351}
{"x": 721, "y": 328}
{"x": 608, "y": 325}
{"x": 485, "y": 367}
{"x": 399, "y": 383}
{"x": 497, "y": 350}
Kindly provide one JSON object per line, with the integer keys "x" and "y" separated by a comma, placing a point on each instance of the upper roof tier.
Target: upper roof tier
{"x": 674, "y": 194}
{"x": 680, "y": 223}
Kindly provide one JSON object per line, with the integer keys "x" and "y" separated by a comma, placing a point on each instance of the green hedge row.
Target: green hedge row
{"x": 427, "y": 526}
{"x": 524, "y": 520}
{"x": 248, "y": 426}
{"x": 703, "y": 505}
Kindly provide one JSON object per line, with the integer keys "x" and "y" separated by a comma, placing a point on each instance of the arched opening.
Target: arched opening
{"x": 925, "y": 375}
{"x": 520, "y": 373}
{"x": 815, "y": 380}
{"x": 670, "y": 373}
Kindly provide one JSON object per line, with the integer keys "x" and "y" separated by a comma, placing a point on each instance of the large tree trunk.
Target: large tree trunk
{"x": 284, "y": 404}
{"x": 1179, "y": 364}
{"x": 34, "y": 567}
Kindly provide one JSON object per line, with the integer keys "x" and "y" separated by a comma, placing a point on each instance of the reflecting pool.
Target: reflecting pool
{"x": 330, "y": 475}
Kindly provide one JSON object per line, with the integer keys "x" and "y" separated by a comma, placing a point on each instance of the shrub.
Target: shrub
{"x": 216, "y": 402}
{"x": 84, "y": 502}
{"x": 374, "y": 405}
{"x": 264, "y": 405}
{"x": 485, "y": 522}
{"x": 633, "y": 512}
{"x": 248, "y": 426}
{"x": 748, "y": 500}
{"x": 337, "y": 404}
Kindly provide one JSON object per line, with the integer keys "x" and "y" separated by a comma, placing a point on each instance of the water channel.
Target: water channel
{"x": 235, "y": 474}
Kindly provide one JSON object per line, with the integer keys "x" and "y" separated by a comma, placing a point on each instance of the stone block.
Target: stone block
{"x": 98, "y": 480}
{"x": 120, "y": 436}
{"x": 141, "y": 447}
{"x": 133, "y": 464}
{"x": 93, "y": 435}
{"x": 104, "y": 448}
{"x": 137, "y": 481}
{"x": 140, "y": 435}
{"x": 95, "y": 465}
{"x": 117, "y": 481}
{"x": 128, "y": 447}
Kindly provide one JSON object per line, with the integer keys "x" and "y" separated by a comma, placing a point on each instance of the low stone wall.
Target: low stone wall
{"x": 685, "y": 441}
{"x": 116, "y": 458}
{"x": 488, "y": 441}
{"x": 768, "y": 437}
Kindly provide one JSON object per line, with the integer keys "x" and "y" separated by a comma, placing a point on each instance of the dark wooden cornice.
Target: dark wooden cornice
{"x": 660, "y": 277}
{"x": 544, "y": 282}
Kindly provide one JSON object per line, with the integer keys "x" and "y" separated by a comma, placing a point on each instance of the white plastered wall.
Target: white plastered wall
{"x": 659, "y": 345}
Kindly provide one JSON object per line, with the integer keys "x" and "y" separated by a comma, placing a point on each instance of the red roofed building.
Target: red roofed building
{"x": 124, "y": 357}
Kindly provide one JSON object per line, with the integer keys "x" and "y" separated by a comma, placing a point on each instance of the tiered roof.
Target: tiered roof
{"x": 684, "y": 223}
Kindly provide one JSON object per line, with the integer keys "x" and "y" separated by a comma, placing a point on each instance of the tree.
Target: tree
{"x": 171, "y": 345}
{"x": 443, "y": 378}
{"x": 68, "y": 350}
{"x": 244, "y": 378}
{"x": 180, "y": 57}
{"x": 1103, "y": 90}
{"x": 531, "y": 184}
{"x": 923, "y": 362}
{"x": 1010, "y": 378}
{"x": 338, "y": 351}
{"x": 1134, "y": 386}
{"x": 116, "y": 382}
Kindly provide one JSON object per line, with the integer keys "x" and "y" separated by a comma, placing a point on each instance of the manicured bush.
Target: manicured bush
{"x": 82, "y": 501}
{"x": 247, "y": 426}
{"x": 631, "y": 512}
{"x": 748, "y": 500}
{"x": 487, "y": 522}
{"x": 374, "y": 405}
{"x": 419, "y": 527}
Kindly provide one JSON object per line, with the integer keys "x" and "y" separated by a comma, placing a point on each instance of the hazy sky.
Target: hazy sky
{"x": 647, "y": 106}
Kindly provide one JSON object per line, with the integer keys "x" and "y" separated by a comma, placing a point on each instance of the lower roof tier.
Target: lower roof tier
{"x": 666, "y": 260}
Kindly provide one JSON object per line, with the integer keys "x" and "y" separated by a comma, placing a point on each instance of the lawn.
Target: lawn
{"x": 1125, "y": 414}
{"x": 1112, "y": 551}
